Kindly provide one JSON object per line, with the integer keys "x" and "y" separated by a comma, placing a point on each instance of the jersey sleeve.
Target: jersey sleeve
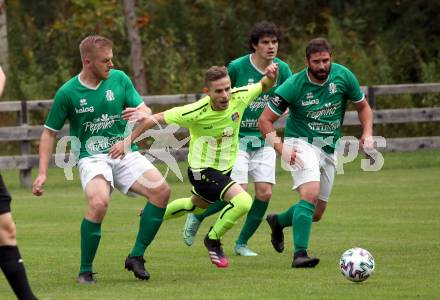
{"x": 284, "y": 95}
{"x": 132, "y": 97}
{"x": 184, "y": 116}
{"x": 354, "y": 91}
{"x": 248, "y": 93}
{"x": 58, "y": 112}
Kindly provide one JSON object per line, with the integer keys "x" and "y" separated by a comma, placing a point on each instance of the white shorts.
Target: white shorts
{"x": 318, "y": 166}
{"x": 259, "y": 164}
{"x": 120, "y": 173}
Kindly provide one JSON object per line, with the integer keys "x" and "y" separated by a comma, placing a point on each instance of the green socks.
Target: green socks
{"x": 212, "y": 209}
{"x": 150, "y": 222}
{"x": 90, "y": 236}
{"x": 302, "y": 224}
{"x": 285, "y": 217}
{"x": 237, "y": 207}
{"x": 253, "y": 220}
{"x": 179, "y": 207}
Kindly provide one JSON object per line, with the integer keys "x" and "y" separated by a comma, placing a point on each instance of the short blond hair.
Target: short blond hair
{"x": 93, "y": 42}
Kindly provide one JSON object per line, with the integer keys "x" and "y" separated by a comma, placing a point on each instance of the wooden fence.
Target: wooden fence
{"x": 25, "y": 133}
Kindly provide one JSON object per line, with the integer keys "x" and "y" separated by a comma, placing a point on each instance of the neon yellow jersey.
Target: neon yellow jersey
{"x": 214, "y": 134}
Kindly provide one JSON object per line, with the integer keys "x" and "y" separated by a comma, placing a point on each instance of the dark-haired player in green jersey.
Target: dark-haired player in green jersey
{"x": 254, "y": 159}
{"x": 214, "y": 123}
{"x": 93, "y": 102}
{"x": 317, "y": 98}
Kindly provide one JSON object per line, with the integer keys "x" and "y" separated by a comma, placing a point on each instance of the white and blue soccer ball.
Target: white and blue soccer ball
{"x": 357, "y": 264}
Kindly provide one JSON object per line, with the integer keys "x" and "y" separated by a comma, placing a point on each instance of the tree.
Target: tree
{"x": 136, "y": 50}
{"x": 3, "y": 37}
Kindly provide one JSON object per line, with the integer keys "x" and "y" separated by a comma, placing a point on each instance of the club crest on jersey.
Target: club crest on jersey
{"x": 332, "y": 88}
{"x": 235, "y": 117}
{"x": 109, "y": 95}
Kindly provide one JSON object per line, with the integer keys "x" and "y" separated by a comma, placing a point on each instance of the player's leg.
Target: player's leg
{"x": 135, "y": 174}
{"x": 240, "y": 175}
{"x": 11, "y": 262}
{"x": 262, "y": 170}
{"x": 97, "y": 181}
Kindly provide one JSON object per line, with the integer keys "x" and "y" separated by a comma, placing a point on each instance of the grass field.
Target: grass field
{"x": 394, "y": 213}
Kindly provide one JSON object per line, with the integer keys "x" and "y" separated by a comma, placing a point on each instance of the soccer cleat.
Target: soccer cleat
{"x": 86, "y": 278}
{"x": 277, "y": 235}
{"x": 136, "y": 264}
{"x": 243, "y": 250}
{"x": 302, "y": 260}
{"x": 215, "y": 252}
{"x": 192, "y": 224}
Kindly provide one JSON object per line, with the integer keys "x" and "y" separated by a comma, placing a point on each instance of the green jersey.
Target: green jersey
{"x": 214, "y": 134}
{"x": 242, "y": 72}
{"x": 94, "y": 114}
{"x": 317, "y": 110}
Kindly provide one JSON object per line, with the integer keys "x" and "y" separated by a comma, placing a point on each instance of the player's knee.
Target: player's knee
{"x": 99, "y": 206}
{"x": 244, "y": 202}
{"x": 264, "y": 194}
{"x": 8, "y": 231}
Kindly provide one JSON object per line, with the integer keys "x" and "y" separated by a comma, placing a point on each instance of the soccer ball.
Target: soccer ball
{"x": 356, "y": 264}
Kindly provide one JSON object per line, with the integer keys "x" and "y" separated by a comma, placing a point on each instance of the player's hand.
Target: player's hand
{"x": 367, "y": 142}
{"x": 289, "y": 155}
{"x": 134, "y": 114}
{"x": 37, "y": 187}
{"x": 119, "y": 150}
{"x": 272, "y": 71}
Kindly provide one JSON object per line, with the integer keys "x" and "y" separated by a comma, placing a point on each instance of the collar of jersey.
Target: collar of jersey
{"x": 87, "y": 86}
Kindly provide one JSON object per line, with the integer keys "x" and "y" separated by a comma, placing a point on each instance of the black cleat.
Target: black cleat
{"x": 215, "y": 252}
{"x": 86, "y": 278}
{"x": 302, "y": 260}
{"x": 136, "y": 264}
{"x": 277, "y": 235}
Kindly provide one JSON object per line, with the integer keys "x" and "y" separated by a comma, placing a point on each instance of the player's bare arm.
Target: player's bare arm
{"x": 145, "y": 122}
{"x": 365, "y": 115}
{"x": 267, "y": 129}
{"x": 47, "y": 140}
{"x": 270, "y": 78}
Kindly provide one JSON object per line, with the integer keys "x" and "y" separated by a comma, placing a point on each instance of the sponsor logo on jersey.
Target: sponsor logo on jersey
{"x": 83, "y": 102}
{"x": 328, "y": 110}
{"x": 251, "y": 81}
{"x": 235, "y": 116}
{"x": 84, "y": 110}
{"x": 103, "y": 122}
{"x": 310, "y": 102}
{"x": 109, "y": 95}
{"x": 332, "y": 88}
{"x": 259, "y": 103}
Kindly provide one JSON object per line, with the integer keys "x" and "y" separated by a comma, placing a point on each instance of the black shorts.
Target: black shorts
{"x": 5, "y": 198}
{"x": 210, "y": 184}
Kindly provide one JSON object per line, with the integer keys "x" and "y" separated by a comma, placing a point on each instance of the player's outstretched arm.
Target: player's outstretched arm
{"x": 270, "y": 77}
{"x": 47, "y": 140}
{"x": 145, "y": 122}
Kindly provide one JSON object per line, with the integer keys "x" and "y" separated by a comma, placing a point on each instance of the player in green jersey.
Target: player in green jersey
{"x": 11, "y": 262}
{"x": 213, "y": 123}
{"x": 254, "y": 159}
{"x": 93, "y": 102}
{"x": 317, "y": 98}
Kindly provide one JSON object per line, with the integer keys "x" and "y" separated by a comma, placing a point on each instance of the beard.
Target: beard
{"x": 320, "y": 74}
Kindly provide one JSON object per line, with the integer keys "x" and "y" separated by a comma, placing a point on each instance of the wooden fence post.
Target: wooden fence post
{"x": 25, "y": 147}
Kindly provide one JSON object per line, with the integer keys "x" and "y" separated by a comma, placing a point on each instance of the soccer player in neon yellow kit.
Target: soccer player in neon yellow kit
{"x": 93, "y": 102}
{"x": 213, "y": 123}
{"x": 254, "y": 159}
{"x": 317, "y": 98}
{"x": 11, "y": 262}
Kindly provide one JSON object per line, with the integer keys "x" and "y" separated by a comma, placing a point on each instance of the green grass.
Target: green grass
{"x": 394, "y": 213}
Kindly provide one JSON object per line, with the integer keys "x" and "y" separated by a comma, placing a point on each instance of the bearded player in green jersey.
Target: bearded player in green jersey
{"x": 213, "y": 123}
{"x": 254, "y": 159}
{"x": 93, "y": 102}
{"x": 317, "y": 98}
